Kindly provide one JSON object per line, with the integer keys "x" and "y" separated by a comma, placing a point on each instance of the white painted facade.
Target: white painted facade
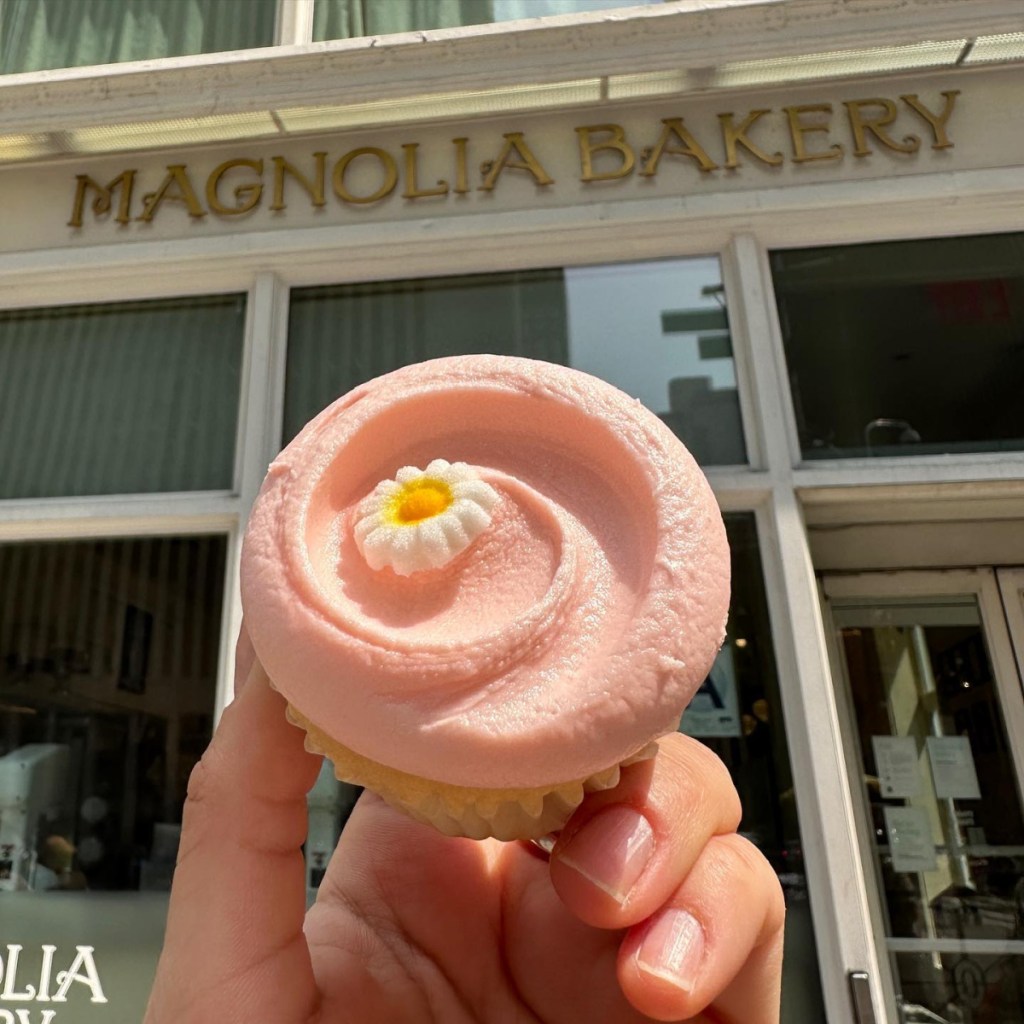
{"x": 927, "y": 513}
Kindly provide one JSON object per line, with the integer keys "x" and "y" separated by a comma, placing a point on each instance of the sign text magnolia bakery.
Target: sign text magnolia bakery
{"x": 811, "y": 132}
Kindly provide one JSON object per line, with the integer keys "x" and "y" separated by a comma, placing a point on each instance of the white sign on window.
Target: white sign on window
{"x": 910, "y": 839}
{"x": 715, "y": 708}
{"x": 953, "y": 768}
{"x": 896, "y": 762}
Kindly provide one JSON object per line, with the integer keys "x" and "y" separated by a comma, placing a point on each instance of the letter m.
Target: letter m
{"x": 103, "y": 197}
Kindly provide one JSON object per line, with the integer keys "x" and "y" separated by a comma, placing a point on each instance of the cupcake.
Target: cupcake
{"x": 484, "y": 584}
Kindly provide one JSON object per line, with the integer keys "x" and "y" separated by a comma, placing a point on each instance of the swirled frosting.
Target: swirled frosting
{"x": 571, "y": 631}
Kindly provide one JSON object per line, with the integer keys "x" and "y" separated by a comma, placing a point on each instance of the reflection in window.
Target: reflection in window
{"x": 120, "y": 398}
{"x": 660, "y": 332}
{"x": 108, "y": 664}
{"x": 905, "y": 348}
{"x": 344, "y": 19}
{"x": 39, "y": 34}
{"x": 657, "y": 330}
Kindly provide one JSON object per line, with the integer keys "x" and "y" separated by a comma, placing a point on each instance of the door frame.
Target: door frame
{"x": 1011, "y": 588}
{"x": 1002, "y": 620}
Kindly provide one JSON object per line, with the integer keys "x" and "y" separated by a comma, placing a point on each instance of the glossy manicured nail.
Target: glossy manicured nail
{"x": 611, "y": 850}
{"x": 673, "y": 949}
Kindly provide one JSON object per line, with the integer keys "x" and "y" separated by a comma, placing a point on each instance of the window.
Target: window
{"x": 657, "y": 330}
{"x": 905, "y": 348}
{"x": 343, "y": 19}
{"x": 39, "y": 34}
{"x": 108, "y": 665}
{"x": 114, "y": 399}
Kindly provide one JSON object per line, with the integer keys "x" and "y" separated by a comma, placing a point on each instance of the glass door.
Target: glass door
{"x": 935, "y": 732}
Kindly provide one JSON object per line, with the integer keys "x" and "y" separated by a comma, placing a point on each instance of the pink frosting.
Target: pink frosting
{"x": 571, "y": 632}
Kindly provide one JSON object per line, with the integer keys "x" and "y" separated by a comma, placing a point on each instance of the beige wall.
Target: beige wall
{"x": 982, "y": 132}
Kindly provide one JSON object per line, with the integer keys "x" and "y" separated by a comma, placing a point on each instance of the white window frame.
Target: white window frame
{"x": 294, "y": 23}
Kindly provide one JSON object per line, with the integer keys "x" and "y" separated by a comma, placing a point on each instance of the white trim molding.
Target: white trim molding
{"x": 691, "y": 34}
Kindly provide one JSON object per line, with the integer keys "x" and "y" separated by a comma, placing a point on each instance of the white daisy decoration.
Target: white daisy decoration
{"x": 424, "y": 517}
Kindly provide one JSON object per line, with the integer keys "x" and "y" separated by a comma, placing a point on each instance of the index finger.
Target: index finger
{"x": 234, "y": 947}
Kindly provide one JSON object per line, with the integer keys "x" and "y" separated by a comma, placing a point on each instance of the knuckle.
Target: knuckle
{"x": 703, "y": 779}
{"x": 747, "y": 859}
{"x": 201, "y": 782}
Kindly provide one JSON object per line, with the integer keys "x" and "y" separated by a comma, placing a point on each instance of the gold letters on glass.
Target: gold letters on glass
{"x": 810, "y": 133}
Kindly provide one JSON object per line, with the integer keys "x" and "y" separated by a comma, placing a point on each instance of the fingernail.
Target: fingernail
{"x": 611, "y": 850}
{"x": 673, "y": 949}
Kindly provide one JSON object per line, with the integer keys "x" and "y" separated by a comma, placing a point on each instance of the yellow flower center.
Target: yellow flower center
{"x": 418, "y": 500}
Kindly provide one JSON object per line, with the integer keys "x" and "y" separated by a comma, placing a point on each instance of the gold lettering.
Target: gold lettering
{"x": 314, "y": 188}
{"x": 412, "y": 189}
{"x": 104, "y": 197}
{"x": 387, "y": 163}
{"x": 736, "y": 135}
{"x": 617, "y": 143}
{"x": 246, "y": 196}
{"x": 937, "y": 122}
{"x": 176, "y": 175}
{"x": 860, "y": 125}
{"x": 674, "y": 127}
{"x": 461, "y": 167}
{"x": 799, "y": 128}
{"x": 514, "y": 142}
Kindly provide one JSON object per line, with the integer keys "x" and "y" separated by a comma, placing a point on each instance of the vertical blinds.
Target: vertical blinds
{"x": 343, "y": 335}
{"x": 346, "y": 19}
{"x": 116, "y": 399}
{"x": 65, "y": 618}
{"x": 39, "y": 34}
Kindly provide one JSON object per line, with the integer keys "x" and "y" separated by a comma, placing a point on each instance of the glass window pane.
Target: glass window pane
{"x": 114, "y": 399}
{"x": 738, "y": 714}
{"x": 38, "y": 34}
{"x": 108, "y": 665}
{"x": 905, "y": 348}
{"x": 658, "y": 330}
{"x": 343, "y": 19}
{"x": 344, "y": 335}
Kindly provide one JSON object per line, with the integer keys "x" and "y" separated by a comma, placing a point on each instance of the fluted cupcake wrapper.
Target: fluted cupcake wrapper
{"x": 504, "y": 814}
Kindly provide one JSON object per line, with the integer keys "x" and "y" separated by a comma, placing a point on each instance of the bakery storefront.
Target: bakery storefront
{"x": 792, "y": 229}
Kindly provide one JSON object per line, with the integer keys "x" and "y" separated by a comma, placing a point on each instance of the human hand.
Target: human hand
{"x": 651, "y": 906}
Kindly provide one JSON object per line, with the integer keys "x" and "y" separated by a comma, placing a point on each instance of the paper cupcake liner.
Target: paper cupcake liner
{"x": 504, "y": 814}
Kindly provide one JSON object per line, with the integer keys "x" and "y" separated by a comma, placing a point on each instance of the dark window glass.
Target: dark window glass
{"x": 657, "y": 330}
{"x": 905, "y": 348}
{"x": 120, "y": 398}
{"x": 738, "y": 714}
{"x": 108, "y": 667}
{"x": 39, "y": 34}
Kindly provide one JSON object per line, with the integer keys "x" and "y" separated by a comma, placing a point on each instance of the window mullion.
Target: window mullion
{"x": 259, "y": 438}
{"x": 137, "y": 515}
{"x": 294, "y": 24}
{"x": 767, "y": 407}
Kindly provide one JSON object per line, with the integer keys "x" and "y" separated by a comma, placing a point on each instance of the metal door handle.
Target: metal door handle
{"x": 860, "y": 994}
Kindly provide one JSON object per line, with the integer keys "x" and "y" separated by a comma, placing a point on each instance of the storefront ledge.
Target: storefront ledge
{"x": 650, "y": 39}
{"x": 966, "y": 493}
{"x": 135, "y": 515}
